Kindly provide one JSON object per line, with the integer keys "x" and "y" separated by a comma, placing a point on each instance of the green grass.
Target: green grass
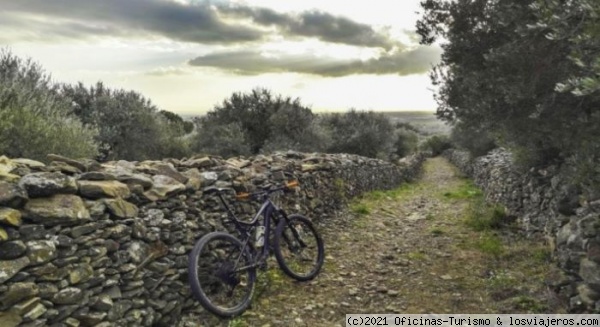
{"x": 416, "y": 256}
{"x": 237, "y": 322}
{"x": 467, "y": 190}
{"x": 489, "y": 243}
{"x": 529, "y": 304}
{"x": 437, "y": 231}
{"x": 360, "y": 208}
{"x": 483, "y": 217}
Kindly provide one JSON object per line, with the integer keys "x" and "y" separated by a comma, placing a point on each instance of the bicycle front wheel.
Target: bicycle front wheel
{"x": 217, "y": 275}
{"x": 298, "y": 248}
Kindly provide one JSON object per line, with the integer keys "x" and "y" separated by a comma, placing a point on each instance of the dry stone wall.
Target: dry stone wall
{"x": 90, "y": 244}
{"x": 546, "y": 201}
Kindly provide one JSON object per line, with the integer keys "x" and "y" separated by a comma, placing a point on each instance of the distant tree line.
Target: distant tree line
{"x": 38, "y": 117}
{"x": 524, "y": 74}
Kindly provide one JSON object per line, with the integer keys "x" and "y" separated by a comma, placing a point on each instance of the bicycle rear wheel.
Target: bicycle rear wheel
{"x": 214, "y": 275}
{"x": 298, "y": 248}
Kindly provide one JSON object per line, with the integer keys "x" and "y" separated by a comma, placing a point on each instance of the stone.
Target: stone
{"x": 40, "y": 252}
{"x": 164, "y": 186}
{"x": 103, "y": 303}
{"x": 10, "y": 319}
{"x": 194, "y": 179}
{"x": 3, "y": 234}
{"x": 588, "y": 295}
{"x": 7, "y": 177}
{"x": 136, "y": 179}
{"x": 47, "y": 290}
{"x": 33, "y": 232}
{"x": 18, "y": 292}
{"x": 137, "y": 251}
{"x": 47, "y": 183}
{"x": 10, "y": 216}
{"x": 29, "y": 163}
{"x": 161, "y": 168}
{"x": 58, "y": 158}
{"x": 96, "y": 208}
{"x": 91, "y": 318}
{"x": 58, "y": 209}
{"x": 198, "y": 163}
{"x": 83, "y": 229}
{"x": 8, "y": 268}
{"x": 6, "y": 165}
{"x": 12, "y": 195}
{"x": 69, "y": 295}
{"x": 102, "y": 189}
{"x": 97, "y": 176}
{"x": 37, "y": 311}
{"x": 80, "y": 274}
{"x": 64, "y": 168}
{"x": 208, "y": 178}
{"x": 12, "y": 249}
{"x": 72, "y": 322}
{"x": 121, "y": 208}
{"x": 590, "y": 273}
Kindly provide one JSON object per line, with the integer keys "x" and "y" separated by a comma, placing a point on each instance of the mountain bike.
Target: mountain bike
{"x": 222, "y": 267}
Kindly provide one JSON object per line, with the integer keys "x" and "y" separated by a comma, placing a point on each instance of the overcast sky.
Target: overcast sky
{"x": 188, "y": 55}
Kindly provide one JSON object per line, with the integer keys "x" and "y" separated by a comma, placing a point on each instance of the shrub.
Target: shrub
{"x": 472, "y": 138}
{"x": 130, "y": 126}
{"x": 436, "y": 144}
{"x": 406, "y": 142}
{"x": 224, "y": 140}
{"x": 34, "y": 119}
{"x": 364, "y": 133}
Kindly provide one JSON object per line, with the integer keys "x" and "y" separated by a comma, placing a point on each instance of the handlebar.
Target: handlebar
{"x": 264, "y": 193}
{"x": 254, "y": 195}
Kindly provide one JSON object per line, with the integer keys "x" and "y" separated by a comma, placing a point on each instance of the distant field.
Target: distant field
{"x": 425, "y": 121}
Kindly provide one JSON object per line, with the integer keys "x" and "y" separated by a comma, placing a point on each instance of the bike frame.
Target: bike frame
{"x": 267, "y": 209}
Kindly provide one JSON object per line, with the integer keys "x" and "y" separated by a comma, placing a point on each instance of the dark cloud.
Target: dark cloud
{"x": 408, "y": 62}
{"x": 321, "y": 25}
{"x": 198, "y": 22}
{"x": 192, "y": 23}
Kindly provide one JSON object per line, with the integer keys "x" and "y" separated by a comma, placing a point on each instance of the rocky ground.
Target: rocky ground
{"x": 418, "y": 249}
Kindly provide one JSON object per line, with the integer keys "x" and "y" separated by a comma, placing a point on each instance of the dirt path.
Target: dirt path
{"x": 427, "y": 247}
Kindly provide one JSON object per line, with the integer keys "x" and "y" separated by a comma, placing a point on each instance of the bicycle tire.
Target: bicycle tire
{"x": 210, "y": 270}
{"x": 293, "y": 236}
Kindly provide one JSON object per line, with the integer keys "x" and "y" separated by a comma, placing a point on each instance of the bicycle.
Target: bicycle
{"x": 223, "y": 267}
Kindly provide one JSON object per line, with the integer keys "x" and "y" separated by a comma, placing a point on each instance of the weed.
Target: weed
{"x": 529, "y": 304}
{"x": 360, "y": 208}
{"x": 490, "y": 244}
{"x": 416, "y": 256}
{"x": 541, "y": 255}
{"x": 502, "y": 280}
{"x": 436, "y": 231}
{"x": 466, "y": 190}
{"x": 236, "y": 322}
{"x": 482, "y": 216}
{"x": 339, "y": 187}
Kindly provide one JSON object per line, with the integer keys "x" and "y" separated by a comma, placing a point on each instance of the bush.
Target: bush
{"x": 436, "y": 144}
{"x": 224, "y": 140}
{"x": 365, "y": 133}
{"x": 34, "y": 119}
{"x": 478, "y": 141}
{"x": 406, "y": 142}
{"x": 130, "y": 126}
